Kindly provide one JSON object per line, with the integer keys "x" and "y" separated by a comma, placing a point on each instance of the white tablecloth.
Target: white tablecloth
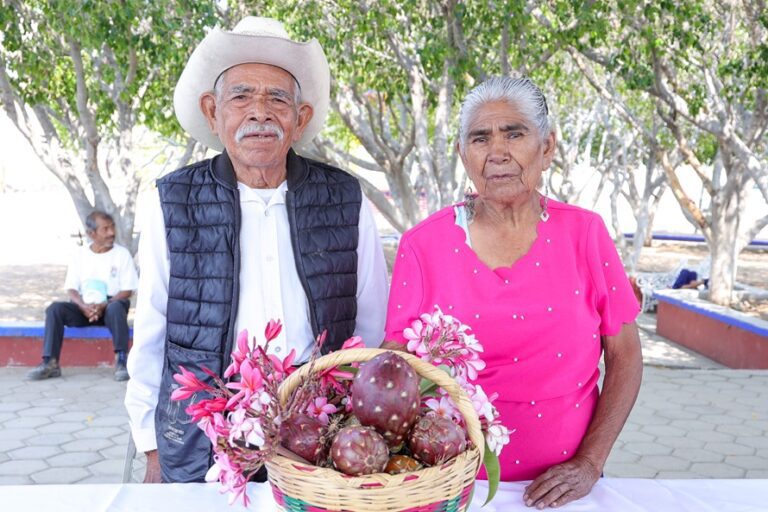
{"x": 610, "y": 494}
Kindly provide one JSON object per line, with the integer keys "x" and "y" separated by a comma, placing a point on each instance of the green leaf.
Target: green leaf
{"x": 493, "y": 470}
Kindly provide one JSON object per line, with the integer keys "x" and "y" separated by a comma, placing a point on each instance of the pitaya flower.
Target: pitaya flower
{"x": 320, "y": 408}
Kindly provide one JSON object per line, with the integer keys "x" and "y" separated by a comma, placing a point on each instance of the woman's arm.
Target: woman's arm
{"x": 574, "y": 478}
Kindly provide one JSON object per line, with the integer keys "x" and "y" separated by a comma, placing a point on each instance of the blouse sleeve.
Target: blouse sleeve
{"x": 614, "y": 299}
{"x": 405, "y": 293}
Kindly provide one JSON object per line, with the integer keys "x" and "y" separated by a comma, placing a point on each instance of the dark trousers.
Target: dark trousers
{"x": 60, "y": 314}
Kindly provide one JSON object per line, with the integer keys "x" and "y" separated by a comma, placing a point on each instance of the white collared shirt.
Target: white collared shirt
{"x": 269, "y": 289}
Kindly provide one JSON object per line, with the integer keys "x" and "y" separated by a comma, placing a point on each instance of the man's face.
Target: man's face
{"x": 255, "y": 116}
{"x": 104, "y": 235}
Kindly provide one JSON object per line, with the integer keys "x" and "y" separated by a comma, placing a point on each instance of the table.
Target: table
{"x": 609, "y": 494}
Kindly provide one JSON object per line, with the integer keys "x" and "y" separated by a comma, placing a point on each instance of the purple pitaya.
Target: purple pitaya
{"x": 359, "y": 451}
{"x": 304, "y": 436}
{"x": 435, "y": 439}
{"x": 385, "y": 396}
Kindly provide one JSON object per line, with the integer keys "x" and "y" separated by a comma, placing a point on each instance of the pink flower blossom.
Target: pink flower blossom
{"x": 206, "y": 408}
{"x": 272, "y": 330}
{"x": 353, "y": 342}
{"x": 251, "y": 382}
{"x": 444, "y": 407}
{"x": 239, "y": 354}
{"x": 190, "y": 385}
{"x": 245, "y": 428}
{"x": 497, "y": 436}
{"x": 283, "y": 368}
{"x": 320, "y": 408}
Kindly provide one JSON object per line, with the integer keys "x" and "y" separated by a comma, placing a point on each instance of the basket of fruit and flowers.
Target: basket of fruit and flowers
{"x": 358, "y": 429}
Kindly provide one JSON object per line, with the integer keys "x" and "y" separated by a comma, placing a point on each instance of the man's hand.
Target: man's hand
{"x": 98, "y": 311}
{"x": 562, "y": 483}
{"x": 152, "y": 475}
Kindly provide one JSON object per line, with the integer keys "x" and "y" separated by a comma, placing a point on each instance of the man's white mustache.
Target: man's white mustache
{"x": 258, "y": 129}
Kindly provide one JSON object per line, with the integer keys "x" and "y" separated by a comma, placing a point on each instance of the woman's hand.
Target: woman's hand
{"x": 562, "y": 484}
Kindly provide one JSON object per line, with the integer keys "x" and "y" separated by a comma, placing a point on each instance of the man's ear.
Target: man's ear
{"x": 305, "y": 113}
{"x": 208, "y": 107}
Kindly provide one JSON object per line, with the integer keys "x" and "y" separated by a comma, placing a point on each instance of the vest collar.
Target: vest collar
{"x": 224, "y": 173}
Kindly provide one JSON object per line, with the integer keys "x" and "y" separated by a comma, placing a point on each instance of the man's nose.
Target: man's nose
{"x": 259, "y": 109}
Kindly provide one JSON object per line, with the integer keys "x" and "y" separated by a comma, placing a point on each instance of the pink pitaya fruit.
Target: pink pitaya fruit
{"x": 435, "y": 439}
{"x": 385, "y": 396}
{"x": 359, "y": 451}
{"x": 304, "y": 436}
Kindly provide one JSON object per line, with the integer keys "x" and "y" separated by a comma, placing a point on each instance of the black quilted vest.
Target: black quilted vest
{"x": 201, "y": 209}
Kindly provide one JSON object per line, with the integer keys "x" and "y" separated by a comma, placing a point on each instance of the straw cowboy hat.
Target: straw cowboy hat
{"x": 253, "y": 40}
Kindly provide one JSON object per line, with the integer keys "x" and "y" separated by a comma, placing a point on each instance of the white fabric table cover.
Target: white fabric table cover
{"x": 619, "y": 494}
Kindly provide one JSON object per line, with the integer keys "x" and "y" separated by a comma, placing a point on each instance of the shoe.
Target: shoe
{"x": 44, "y": 370}
{"x": 121, "y": 372}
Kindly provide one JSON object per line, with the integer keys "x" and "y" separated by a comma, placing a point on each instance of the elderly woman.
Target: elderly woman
{"x": 543, "y": 288}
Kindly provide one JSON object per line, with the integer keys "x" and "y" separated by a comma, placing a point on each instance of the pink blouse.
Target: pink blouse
{"x": 539, "y": 321}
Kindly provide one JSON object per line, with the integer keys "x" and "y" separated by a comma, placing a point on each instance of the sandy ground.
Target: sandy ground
{"x": 25, "y": 290}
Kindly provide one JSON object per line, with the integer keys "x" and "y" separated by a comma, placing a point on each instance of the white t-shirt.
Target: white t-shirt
{"x": 90, "y": 272}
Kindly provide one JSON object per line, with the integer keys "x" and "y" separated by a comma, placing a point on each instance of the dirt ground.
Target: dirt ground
{"x": 26, "y": 290}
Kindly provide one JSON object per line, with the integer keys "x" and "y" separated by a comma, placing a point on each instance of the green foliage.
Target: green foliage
{"x": 39, "y": 37}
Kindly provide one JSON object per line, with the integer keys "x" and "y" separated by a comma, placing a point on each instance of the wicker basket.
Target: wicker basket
{"x": 300, "y": 487}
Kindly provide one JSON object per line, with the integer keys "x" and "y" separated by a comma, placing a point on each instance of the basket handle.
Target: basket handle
{"x": 423, "y": 368}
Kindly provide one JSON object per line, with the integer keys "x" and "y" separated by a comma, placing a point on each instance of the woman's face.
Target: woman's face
{"x": 504, "y": 154}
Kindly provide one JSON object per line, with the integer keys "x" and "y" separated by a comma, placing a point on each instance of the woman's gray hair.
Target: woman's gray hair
{"x": 520, "y": 92}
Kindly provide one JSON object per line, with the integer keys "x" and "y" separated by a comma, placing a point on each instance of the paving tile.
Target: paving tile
{"x": 110, "y": 421}
{"x": 690, "y": 425}
{"x": 75, "y": 459}
{"x": 747, "y": 461}
{"x": 671, "y": 475}
{"x": 678, "y": 414}
{"x": 640, "y": 448}
{"x": 104, "y": 479}
{"x": 698, "y": 455}
{"x": 97, "y": 432}
{"x": 5, "y": 416}
{"x": 680, "y": 442}
{"x": 711, "y": 436}
{"x": 28, "y": 422}
{"x": 664, "y": 462}
{"x": 39, "y": 411}
{"x": 79, "y": 416}
{"x": 11, "y": 434}
{"x": 755, "y": 442}
{"x": 21, "y": 467}
{"x": 751, "y": 473}
{"x": 49, "y": 440}
{"x": 87, "y": 445}
{"x": 107, "y": 467}
{"x": 721, "y": 419}
{"x": 57, "y": 476}
{"x": 739, "y": 430}
{"x": 34, "y": 452}
{"x": 61, "y": 427}
{"x": 712, "y": 470}
{"x": 9, "y": 444}
{"x": 663, "y": 431}
{"x": 13, "y": 406}
{"x": 15, "y": 480}
{"x": 629, "y": 470}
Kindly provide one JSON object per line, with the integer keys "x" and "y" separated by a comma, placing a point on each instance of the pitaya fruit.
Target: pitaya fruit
{"x": 304, "y": 436}
{"x": 435, "y": 439}
{"x": 401, "y": 464}
{"x": 385, "y": 396}
{"x": 359, "y": 451}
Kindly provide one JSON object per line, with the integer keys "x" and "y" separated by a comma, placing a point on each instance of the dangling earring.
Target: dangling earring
{"x": 544, "y": 216}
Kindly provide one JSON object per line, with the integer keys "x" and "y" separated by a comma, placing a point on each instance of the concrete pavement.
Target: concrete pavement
{"x": 693, "y": 419}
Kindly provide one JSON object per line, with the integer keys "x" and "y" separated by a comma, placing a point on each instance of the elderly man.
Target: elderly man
{"x": 100, "y": 281}
{"x": 255, "y": 233}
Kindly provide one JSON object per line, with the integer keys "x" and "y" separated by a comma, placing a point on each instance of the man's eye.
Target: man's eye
{"x": 479, "y": 139}
{"x": 514, "y": 135}
{"x": 279, "y": 99}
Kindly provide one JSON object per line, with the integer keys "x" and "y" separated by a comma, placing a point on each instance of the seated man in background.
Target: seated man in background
{"x": 100, "y": 280}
